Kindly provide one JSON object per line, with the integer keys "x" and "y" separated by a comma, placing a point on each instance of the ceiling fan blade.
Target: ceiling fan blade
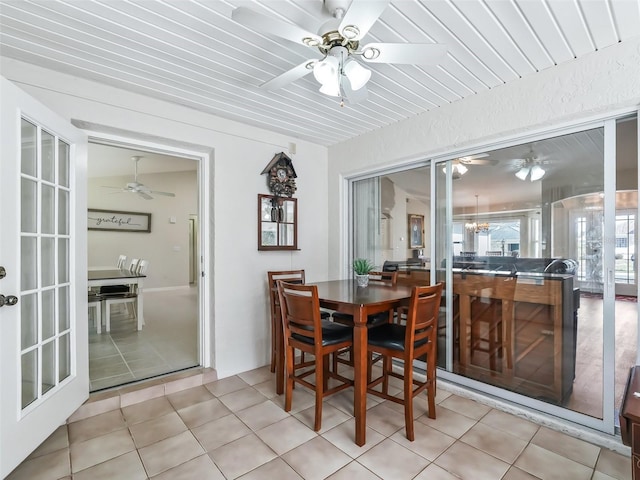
{"x": 166, "y": 194}
{"x": 408, "y": 53}
{"x": 362, "y": 14}
{"x": 109, "y": 186}
{"x": 279, "y": 28}
{"x": 353, "y": 96}
{"x": 287, "y": 77}
{"x": 145, "y": 196}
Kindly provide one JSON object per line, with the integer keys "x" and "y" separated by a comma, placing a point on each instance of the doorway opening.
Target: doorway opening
{"x": 168, "y": 339}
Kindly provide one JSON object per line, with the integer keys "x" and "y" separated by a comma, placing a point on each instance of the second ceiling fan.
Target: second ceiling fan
{"x": 139, "y": 188}
{"x": 338, "y": 40}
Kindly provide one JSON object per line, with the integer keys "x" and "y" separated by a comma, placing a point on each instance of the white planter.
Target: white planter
{"x": 363, "y": 280}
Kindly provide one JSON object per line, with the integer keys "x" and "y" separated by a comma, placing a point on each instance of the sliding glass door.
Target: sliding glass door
{"x": 533, "y": 241}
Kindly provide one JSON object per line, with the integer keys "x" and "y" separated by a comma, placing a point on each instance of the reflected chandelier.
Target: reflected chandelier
{"x": 476, "y": 226}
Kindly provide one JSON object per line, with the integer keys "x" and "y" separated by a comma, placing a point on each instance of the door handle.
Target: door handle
{"x": 9, "y": 300}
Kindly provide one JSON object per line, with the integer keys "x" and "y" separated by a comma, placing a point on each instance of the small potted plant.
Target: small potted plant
{"x": 362, "y": 267}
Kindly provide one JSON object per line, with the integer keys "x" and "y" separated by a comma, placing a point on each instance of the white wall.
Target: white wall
{"x": 166, "y": 247}
{"x": 571, "y": 92}
{"x": 239, "y": 309}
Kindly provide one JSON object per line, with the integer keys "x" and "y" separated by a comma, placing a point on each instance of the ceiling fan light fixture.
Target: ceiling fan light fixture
{"x": 357, "y": 74}
{"x": 331, "y": 88}
{"x": 537, "y": 172}
{"x": 371, "y": 53}
{"x": 522, "y": 173}
{"x": 350, "y": 32}
{"x": 326, "y": 71}
{"x": 457, "y": 169}
{"x": 311, "y": 42}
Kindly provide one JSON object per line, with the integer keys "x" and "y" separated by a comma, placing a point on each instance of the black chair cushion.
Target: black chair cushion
{"x": 324, "y": 314}
{"x": 114, "y": 289}
{"x": 391, "y": 335}
{"x": 332, "y": 333}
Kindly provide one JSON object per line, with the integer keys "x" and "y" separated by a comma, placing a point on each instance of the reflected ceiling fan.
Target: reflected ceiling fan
{"x": 338, "y": 40}
{"x": 139, "y": 188}
{"x": 530, "y": 167}
{"x": 460, "y": 165}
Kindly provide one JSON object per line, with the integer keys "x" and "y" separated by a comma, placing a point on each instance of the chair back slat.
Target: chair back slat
{"x": 300, "y": 311}
{"x": 122, "y": 261}
{"x": 422, "y": 319}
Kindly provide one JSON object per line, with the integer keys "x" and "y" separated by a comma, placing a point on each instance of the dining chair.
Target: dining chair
{"x": 141, "y": 268}
{"x": 122, "y": 261}
{"x": 127, "y": 296}
{"x": 304, "y": 330}
{"x": 94, "y": 302}
{"x": 289, "y": 276}
{"x": 408, "y": 342}
{"x": 133, "y": 265}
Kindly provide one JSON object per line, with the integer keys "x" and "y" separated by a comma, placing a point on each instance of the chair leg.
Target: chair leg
{"x": 431, "y": 385}
{"x": 289, "y": 373}
{"x": 321, "y": 381}
{"x": 408, "y": 401}
{"x": 386, "y": 368}
{"x": 107, "y": 320}
{"x": 273, "y": 344}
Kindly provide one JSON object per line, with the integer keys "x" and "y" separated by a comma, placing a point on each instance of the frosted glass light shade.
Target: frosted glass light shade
{"x": 522, "y": 173}
{"x": 537, "y": 173}
{"x": 326, "y": 71}
{"x": 357, "y": 74}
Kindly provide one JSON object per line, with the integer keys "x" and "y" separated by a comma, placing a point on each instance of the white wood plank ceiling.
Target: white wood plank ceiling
{"x": 192, "y": 53}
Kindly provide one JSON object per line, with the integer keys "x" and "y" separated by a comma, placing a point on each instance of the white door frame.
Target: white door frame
{"x": 204, "y": 156}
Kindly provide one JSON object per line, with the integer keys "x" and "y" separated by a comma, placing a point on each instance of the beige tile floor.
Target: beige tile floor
{"x": 236, "y": 428}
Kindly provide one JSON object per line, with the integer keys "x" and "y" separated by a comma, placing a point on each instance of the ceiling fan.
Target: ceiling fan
{"x": 459, "y": 165}
{"x": 530, "y": 167}
{"x": 139, "y": 188}
{"x": 338, "y": 40}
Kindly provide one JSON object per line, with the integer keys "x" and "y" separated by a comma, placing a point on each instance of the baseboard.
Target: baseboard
{"x": 168, "y": 289}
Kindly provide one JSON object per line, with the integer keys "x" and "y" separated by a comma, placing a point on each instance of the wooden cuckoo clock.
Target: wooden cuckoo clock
{"x": 281, "y": 176}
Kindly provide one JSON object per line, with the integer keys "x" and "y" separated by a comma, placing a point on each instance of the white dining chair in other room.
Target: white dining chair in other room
{"x": 94, "y": 302}
{"x": 122, "y": 261}
{"x": 128, "y": 299}
{"x": 133, "y": 265}
{"x": 142, "y": 267}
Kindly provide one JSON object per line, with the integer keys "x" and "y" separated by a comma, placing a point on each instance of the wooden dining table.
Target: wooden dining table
{"x": 346, "y": 297}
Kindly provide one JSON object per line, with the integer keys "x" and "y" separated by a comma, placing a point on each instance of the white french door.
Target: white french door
{"x": 43, "y": 328}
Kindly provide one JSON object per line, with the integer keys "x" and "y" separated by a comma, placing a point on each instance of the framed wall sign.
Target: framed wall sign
{"x": 416, "y": 231}
{"x": 117, "y": 221}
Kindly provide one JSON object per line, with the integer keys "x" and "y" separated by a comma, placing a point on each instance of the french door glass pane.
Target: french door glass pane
{"x": 64, "y": 357}
{"x": 28, "y": 263}
{"x": 48, "y": 157}
{"x": 48, "y": 366}
{"x": 48, "y": 261}
{"x": 63, "y": 164}
{"x": 63, "y": 212}
{"x": 63, "y": 308}
{"x": 48, "y": 314}
{"x": 28, "y": 152}
{"x": 48, "y": 209}
{"x": 29, "y": 204}
{"x": 29, "y": 320}
{"x": 29, "y": 366}
{"x": 63, "y": 260}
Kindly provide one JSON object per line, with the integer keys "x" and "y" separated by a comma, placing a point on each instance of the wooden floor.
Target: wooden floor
{"x": 587, "y": 389}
